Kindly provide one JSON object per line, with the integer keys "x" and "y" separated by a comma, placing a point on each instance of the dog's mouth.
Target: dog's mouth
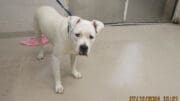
{"x": 83, "y": 53}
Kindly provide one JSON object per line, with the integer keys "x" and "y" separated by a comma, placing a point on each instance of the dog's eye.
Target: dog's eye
{"x": 91, "y": 37}
{"x": 77, "y": 35}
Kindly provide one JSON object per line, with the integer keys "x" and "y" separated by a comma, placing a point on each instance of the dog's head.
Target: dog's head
{"x": 83, "y": 33}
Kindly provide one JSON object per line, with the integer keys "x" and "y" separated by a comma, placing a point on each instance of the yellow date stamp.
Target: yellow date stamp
{"x": 153, "y": 98}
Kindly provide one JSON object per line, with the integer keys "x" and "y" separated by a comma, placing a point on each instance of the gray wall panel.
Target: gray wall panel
{"x": 17, "y": 15}
{"x": 150, "y": 10}
{"x": 108, "y": 11}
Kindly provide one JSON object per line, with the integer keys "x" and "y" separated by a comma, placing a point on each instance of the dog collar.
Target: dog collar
{"x": 68, "y": 28}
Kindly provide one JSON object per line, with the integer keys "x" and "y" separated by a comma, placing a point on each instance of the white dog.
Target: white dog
{"x": 72, "y": 35}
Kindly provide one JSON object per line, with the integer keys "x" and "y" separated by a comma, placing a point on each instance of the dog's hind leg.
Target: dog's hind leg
{"x": 38, "y": 33}
{"x": 40, "y": 55}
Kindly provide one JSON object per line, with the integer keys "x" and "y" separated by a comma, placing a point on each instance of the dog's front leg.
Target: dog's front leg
{"x": 56, "y": 71}
{"x": 75, "y": 73}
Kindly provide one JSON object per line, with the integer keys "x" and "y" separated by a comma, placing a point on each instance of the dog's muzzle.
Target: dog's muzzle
{"x": 83, "y": 49}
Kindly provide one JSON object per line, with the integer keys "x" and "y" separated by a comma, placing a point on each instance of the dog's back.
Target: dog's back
{"x": 46, "y": 21}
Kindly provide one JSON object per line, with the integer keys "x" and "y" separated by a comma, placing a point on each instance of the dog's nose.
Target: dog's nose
{"x": 83, "y": 49}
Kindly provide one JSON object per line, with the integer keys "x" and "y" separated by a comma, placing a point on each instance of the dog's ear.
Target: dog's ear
{"x": 73, "y": 20}
{"x": 98, "y": 25}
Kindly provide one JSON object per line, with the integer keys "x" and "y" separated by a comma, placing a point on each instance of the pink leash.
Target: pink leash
{"x": 32, "y": 41}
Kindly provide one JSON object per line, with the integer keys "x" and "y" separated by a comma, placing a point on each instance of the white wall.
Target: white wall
{"x": 176, "y": 17}
{"x": 17, "y": 15}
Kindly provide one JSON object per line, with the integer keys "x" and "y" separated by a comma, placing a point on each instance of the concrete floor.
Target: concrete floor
{"x": 125, "y": 61}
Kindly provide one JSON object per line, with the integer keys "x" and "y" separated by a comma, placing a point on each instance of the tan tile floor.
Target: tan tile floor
{"x": 125, "y": 61}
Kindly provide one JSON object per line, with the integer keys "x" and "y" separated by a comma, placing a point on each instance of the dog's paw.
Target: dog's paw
{"x": 40, "y": 56}
{"x": 59, "y": 89}
{"x": 77, "y": 75}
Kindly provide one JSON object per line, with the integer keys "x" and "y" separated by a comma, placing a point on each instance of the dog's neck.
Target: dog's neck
{"x": 70, "y": 43}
